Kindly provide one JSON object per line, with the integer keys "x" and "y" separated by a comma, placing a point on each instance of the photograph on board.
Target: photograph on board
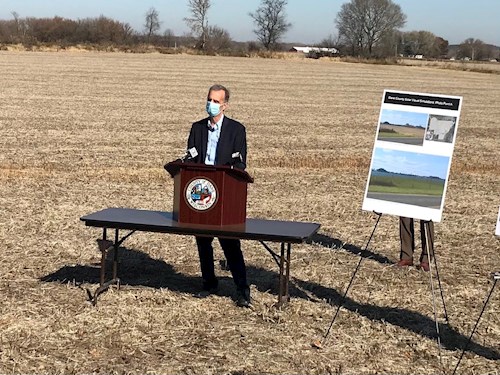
{"x": 440, "y": 128}
{"x": 402, "y": 127}
{"x": 410, "y": 178}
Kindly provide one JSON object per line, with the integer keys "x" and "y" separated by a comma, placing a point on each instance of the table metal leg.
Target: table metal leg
{"x": 282, "y": 283}
{"x": 283, "y": 262}
{"x": 115, "y": 256}
{"x": 284, "y": 294}
{"x": 104, "y": 246}
{"x": 287, "y": 271}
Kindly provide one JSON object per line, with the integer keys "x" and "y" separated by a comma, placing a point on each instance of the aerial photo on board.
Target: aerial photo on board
{"x": 441, "y": 128}
{"x": 406, "y": 177}
{"x": 402, "y": 127}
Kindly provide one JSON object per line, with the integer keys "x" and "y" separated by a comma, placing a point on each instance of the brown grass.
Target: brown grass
{"x": 405, "y": 130}
{"x": 467, "y": 66}
{"x": 81, "y": 132}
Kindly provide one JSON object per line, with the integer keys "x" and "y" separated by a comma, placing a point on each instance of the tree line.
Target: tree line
{"x": 365, "y": 28}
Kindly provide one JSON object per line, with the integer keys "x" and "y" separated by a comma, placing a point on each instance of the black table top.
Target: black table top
{"x": 159, "y": 221}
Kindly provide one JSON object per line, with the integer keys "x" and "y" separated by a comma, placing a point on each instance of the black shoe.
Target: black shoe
{"x": 209, "y": 287}
{"x": 206, "y": 293}
{"x": 243, "y": 298}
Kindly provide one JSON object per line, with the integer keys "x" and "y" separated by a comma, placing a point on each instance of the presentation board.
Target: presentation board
{"x": 412, "y": 154}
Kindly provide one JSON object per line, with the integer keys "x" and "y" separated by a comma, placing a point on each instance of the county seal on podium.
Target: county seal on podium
{"x": 201, "y": 194}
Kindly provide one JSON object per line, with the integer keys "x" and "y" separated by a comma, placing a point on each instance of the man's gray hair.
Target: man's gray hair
{"x": 218, "y": 87}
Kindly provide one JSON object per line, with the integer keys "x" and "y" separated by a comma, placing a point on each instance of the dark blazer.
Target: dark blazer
{"x": 232, "y": 139}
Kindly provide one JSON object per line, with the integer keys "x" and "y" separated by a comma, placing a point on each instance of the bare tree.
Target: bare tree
{"x": 270, "y": 22}
{"x": 331, "y": 41}
{"x": 363, "y": 23}
{"x": 65, "y": 31}
{"x": 218, "y": 39}
{"x": 100, "y": 30}
{"x": 198, "y": 22}
{"x": 20, "y": 27}
{"x": 152, "y": 23}
{"x": 127, "y": 32}
{"x": 15, "y": 15}
{"x": 474, "y": 49}
{"x": 169, "y": 38}
{"x": 420, "y": 43}
{"x": 441, "y": 47}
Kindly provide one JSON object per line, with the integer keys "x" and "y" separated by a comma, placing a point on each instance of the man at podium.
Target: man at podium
{"x": 219, "y": 140}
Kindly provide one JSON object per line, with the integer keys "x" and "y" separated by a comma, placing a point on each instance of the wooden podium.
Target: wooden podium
{"x": 209, "y": 194}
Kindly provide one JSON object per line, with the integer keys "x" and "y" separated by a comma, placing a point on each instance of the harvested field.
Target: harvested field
{"x": 84, "y": 131}
{"x": 405, "y": 130}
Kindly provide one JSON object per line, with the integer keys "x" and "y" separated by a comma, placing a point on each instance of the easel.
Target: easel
{"x": 352, "y": 277}
{"x": 431, "y": 253}
{"x": 496, "y": 277}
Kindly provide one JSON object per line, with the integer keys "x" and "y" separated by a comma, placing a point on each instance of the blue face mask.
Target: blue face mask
{"x": 213, "y": 109}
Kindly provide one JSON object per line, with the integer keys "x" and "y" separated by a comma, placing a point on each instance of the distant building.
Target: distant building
{"x": 322, "y": 51}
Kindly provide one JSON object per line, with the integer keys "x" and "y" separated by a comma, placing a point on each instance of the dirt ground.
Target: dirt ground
{"x": 80, "y": 132}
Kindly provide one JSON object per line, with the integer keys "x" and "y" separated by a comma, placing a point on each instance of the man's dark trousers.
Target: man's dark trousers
{"x": 234, "y": 257}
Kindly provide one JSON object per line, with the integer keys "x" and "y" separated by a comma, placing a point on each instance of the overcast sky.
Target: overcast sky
{"x": 313, "y": 20}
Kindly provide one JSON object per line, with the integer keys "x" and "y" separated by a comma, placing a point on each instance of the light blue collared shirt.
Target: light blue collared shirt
{"x": 213, "y": 139}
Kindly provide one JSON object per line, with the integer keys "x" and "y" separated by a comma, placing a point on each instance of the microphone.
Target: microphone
{"x": 191, "y": 153}
{"x": 237, "y": 156}
{"x": 237, "y": 160}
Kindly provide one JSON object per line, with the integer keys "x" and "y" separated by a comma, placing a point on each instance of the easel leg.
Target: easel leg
{"x": 430, "y": 251}
{"x": 427, "y": 229}
{"x": 446, "y": 318}
{"x": 352, "y": 278}
{"x": 475, "y": 326}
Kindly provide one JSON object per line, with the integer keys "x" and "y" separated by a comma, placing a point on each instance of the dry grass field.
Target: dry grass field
{"x": 471, "y": 66}
{"x": 80, "y": 132}
{"x": 405, "y": 130}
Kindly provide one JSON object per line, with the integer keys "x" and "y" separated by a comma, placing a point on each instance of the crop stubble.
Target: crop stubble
{"x": 84, "y": 131}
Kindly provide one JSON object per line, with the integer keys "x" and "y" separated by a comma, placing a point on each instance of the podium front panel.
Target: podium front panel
{"x": 209, "y": 196}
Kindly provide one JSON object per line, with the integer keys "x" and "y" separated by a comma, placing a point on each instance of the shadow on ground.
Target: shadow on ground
{"x": 336, "y": 244}
{"x": 138, "y": 269}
